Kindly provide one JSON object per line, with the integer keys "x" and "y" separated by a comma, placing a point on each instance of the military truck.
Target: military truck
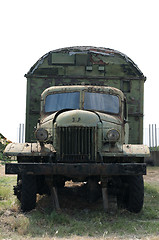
{"x": 84, "y": 122}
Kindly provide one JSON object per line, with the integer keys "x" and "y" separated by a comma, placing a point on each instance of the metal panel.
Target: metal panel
{"x": 35, "y": 87}
{"x": 82, "y": 59}
{"x": 62, "y": 58}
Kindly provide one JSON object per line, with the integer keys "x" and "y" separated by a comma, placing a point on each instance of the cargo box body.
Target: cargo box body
{"x": 86, "y": 66}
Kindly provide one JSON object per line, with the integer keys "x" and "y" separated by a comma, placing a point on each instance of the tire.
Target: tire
{"x": 28, "y": 194}
{"x": 18, "y": 188}
{"x": 131, "y": 195}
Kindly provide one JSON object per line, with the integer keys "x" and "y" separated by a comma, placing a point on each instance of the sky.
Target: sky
{"x": 31, "y": 28}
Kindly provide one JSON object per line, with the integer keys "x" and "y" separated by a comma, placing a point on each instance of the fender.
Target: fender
{"x": 29, "y": 149}
{"x": 130, "y": 150}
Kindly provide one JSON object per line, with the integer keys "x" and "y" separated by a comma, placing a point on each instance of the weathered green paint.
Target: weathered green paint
{"x": 90, "y": 66}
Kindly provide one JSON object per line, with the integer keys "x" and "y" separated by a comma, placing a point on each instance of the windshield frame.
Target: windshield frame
{"x": 81, "y": 104}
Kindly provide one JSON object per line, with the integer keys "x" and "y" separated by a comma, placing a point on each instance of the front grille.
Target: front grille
{"x": 76, "y": 144}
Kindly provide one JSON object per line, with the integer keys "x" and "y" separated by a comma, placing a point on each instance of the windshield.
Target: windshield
{"x": 58, "y": 101}
{"x": 101, "y": 102}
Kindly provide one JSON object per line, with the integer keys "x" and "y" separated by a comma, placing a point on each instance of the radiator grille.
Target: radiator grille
{"x": 76, "y": 144}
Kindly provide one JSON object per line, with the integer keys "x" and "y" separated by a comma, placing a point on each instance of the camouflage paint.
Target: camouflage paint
{"x": 88, "y": 66}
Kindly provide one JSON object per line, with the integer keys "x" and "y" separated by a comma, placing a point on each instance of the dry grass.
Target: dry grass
{"x": 77, "y": 221}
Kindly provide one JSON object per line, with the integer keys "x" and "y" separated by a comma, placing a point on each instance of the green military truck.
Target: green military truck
{"x": 84, "y": 122}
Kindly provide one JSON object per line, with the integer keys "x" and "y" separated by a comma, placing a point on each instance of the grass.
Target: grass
{"x": 6, "y": 194}
{"x": 76, "y": 222}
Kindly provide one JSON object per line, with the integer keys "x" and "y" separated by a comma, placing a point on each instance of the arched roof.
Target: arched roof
{"x": 101, "y": 56}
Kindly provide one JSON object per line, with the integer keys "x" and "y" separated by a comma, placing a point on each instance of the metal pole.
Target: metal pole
{"x": 105, "y": 198}
{"x": 150, "y": 136}
{"x": 155, "y": 137}
{"x": 104, "y": 182}
{"x": 158, "y": 135}
{"x": 19, "y": 133}
{"x": 22, "y": 132}
{"x": 55, "y": 198}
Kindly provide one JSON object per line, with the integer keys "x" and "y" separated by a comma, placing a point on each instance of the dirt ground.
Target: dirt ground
{"x": 151, "y": 177}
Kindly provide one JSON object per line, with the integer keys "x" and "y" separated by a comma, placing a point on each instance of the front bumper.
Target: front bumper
{"x": 78, "y": 169}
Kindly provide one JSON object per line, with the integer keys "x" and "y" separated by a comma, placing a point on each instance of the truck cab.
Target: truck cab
{"x": 83, "y": 122}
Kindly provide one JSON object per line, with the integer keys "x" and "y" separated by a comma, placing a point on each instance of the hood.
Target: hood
{"x": 109, "y": 118}
{"x": 77, "y": 118}
{"x": 81, "y": 118}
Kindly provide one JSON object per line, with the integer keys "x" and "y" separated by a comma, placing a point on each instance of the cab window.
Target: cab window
{"x": 59, "y": 101}
{"x": 101, "y": 102}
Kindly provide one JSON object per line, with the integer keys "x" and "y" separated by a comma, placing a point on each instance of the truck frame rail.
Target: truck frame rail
{"x": 77, "y": 169}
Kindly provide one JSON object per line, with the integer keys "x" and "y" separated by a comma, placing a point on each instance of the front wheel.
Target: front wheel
{"x": 131, "y": 194}
{"x": 28, "y": 194}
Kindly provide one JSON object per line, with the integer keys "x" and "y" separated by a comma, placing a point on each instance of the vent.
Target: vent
{"x": 76, "y": 144}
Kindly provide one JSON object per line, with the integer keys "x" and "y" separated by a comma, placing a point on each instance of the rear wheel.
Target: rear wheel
{"x": 28, "y": 194}
{"x": 131, "y": 194}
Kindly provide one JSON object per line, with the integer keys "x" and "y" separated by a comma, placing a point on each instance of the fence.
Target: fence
{"x": 151, "y": 136}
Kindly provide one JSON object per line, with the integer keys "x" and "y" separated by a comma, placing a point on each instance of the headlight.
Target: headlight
{"x": 41, "y": 134}
{"x": 113, "y": 135}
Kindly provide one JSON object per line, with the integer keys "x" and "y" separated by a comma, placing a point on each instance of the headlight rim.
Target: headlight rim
{"x": 41, "y": 134}
{"x": 113, "y": 138}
